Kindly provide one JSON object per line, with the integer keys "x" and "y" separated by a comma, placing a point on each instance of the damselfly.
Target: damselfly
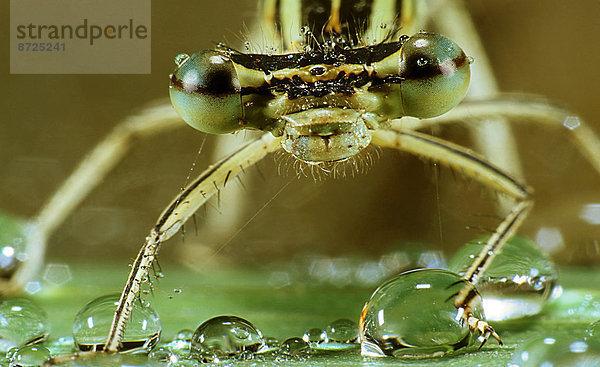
{"x": 346, "y": 72}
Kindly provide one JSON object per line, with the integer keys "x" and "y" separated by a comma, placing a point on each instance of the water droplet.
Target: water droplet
{"x": 470, "y": 60}
{"x": 593, "y": 332}
{"x": 517, "y": 283}
{"x": 177, "y": 290}
{"x": 164, "y": 354}
{"x": 272, "y": 343}
{"x": 315, "y": 336}
{"x": 21, "y": 322}
{"x": 341, "y": 334}
{"x": 227, "y": 337}
{"x": 413, "y": 315}
{"x": 556, "y": 349}
{"x": 180, "y": 59}
{"x": 342, "y": 331}
{"x": 293, "y": 349}
{"x": 92, "y": 323}
{"x": 184, "y": 334}
{"x": 30, "y": 355}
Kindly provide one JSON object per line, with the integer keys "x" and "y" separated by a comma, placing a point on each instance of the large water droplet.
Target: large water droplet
{"x": 30, "y": 355}
{"x": 413, "y": 315}
{"x": 21, "y": 322}
{"x": 517, "y": 283}
{"x": 92, "y": 323}
{"x": 556, "y": 349}
{"x": 226, "y": 337}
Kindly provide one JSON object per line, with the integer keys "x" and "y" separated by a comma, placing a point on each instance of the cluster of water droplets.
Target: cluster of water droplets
{"x": 410, "y": 316}
{"x": 228, "y": 339}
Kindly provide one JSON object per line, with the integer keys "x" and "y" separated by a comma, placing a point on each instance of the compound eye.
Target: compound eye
{"x": 205, "y": 91}
{"x": 436, "y": 75}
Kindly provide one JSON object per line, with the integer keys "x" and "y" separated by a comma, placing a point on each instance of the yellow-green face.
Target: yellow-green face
{"x": 306, "y": 97}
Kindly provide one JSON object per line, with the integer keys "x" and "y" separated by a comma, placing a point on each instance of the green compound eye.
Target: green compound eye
{"x": 436, "y": 75}
{"x": 205, "y": 91}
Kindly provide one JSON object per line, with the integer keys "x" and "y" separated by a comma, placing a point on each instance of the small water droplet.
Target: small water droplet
{"x": 342, "y": 331}
{"x": 413, "y": 315}
{"x": 184, "y": 334}
{"x": 21, "y": 322}
{"x": 164, "y": 354}
{"x": 180, "y": 59}
{"x": 315, "y": 336}
{"x": 30, "y": 355}
{"x": 470, "y": 60}
{"x": 293, "y": 349}
{"x": 227, "y": 337}
{"x": 422, "y": 61}
{"x": 92, "y": 323}
{"x": 517, "y": 283}
{"x": 177, "y": 290}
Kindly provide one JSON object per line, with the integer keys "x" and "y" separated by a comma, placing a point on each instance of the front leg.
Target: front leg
{"x": 174, "y": 217}
{"x": 466, "y": 161}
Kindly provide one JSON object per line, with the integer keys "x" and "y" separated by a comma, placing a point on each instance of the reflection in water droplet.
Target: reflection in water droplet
{"x": 30, "y": 355}
{"x": 413, "y": 315}
{"x": 556, "y": 349}
{"x": 21, "y": 322}
{"x": 517, "y": 283}
{"x": 225, "y": 337}
{"x": 92, "y": 323}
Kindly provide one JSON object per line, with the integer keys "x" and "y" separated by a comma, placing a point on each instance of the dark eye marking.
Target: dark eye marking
{"x": 219, "y": 81}
{"x": 420, "y": 66}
